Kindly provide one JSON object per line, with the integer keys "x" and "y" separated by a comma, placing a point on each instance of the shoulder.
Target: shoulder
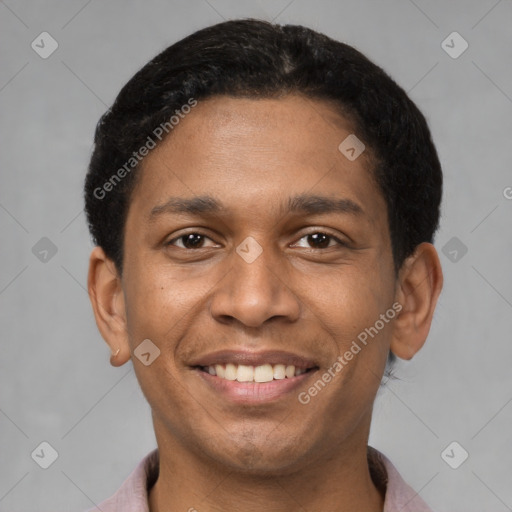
{"x": 399, "y": 496}
{"x": 132, "y": 496}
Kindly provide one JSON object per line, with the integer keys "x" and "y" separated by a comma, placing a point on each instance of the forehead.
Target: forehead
{"x": 247, "y": 152}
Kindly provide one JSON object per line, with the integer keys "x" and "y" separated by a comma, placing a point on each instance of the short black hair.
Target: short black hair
{"x": 257, "y": 59}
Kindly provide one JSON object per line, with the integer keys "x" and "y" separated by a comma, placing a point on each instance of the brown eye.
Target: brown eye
{"x": 320, "y": 240}
{"x": 189, "y": 241}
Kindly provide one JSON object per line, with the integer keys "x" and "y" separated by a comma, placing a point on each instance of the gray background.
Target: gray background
{"x": 56, "y": 383}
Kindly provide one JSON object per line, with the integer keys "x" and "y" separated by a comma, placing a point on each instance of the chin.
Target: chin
{"x": 255, "y": 455}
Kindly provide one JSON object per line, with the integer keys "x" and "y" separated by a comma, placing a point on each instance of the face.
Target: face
{"x": 256, "y": 250}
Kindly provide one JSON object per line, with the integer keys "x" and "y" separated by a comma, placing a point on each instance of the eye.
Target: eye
{"x": 321, "y": 240}
{"x": 189, "y": 241}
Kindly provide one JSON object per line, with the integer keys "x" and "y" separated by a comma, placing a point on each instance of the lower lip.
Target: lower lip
{"x": 254, "y": 392}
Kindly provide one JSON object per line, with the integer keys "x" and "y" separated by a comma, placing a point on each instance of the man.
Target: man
{"x": 264, "y": 201}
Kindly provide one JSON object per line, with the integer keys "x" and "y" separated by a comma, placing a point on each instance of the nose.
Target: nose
{"x": 255, "y": 292}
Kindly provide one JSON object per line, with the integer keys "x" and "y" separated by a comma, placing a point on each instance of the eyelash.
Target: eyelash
{"x": 332, "y": 237}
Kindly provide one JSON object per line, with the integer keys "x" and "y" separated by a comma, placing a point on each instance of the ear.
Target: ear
{"x": 419, "y": 284}
{"x": 107, "y": 299}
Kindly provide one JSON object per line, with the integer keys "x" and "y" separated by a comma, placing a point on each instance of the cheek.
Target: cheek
{"x": 362, "y": 344}
{"x": 151, "y": 303}
{"x": 353, "y": 299}
{"x": 357, "y": 312}
{"x": 160, "y": 300}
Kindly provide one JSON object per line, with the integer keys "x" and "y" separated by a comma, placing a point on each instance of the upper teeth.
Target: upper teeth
{"x": 263, "y": 373}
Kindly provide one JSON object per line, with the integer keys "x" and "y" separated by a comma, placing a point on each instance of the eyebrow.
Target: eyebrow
{"x": 305, "y": 204}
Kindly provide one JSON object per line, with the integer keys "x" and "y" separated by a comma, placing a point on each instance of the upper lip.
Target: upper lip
{"x": 251, "y": 358}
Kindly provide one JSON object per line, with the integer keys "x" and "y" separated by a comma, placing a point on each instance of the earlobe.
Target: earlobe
{"x": 420, "y": 283}
{"x": 106, "y": 295}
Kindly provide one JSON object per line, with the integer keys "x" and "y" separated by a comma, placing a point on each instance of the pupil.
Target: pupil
{"x": 192, "y": 240}
{"x": 320, "y": 239}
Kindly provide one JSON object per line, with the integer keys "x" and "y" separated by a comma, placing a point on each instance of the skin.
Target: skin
{"x": 298, "y": 295}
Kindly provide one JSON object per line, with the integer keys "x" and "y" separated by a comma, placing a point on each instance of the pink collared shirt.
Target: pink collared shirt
{"x": 132, "y": 496}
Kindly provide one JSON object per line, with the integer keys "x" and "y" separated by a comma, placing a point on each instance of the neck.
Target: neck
{"x": 337, "y": 482}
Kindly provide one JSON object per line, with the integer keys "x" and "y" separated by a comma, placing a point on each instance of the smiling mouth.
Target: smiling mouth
{"x": 259, "y": 374}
